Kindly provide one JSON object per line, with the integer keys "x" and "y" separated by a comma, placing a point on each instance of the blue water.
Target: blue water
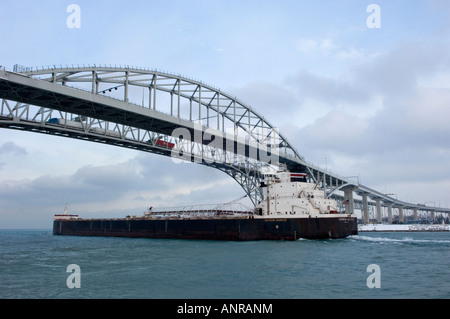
{"x": 33, "y": 264}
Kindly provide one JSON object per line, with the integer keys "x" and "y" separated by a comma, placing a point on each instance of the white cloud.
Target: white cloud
{"x": 218, "y": 49}
{"x": 311, "y": 46}
{"x": 352, "y": 53}
{"x": 331, "y": 90}
{"x": 12, "y": 148}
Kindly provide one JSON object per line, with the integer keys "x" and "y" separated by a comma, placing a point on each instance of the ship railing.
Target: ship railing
{"x": 220, "y": 209}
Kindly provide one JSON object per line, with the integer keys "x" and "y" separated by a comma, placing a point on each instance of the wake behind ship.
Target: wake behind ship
{"x": 291, "y": 209}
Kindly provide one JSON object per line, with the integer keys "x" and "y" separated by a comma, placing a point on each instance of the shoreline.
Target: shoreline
{"x": 403, "y": 228}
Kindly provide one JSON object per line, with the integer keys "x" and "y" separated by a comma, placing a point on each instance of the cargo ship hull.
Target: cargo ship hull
{"x": 235, "y": 229}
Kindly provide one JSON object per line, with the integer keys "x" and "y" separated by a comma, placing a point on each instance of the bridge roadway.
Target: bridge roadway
{"x": 170, "y": 115}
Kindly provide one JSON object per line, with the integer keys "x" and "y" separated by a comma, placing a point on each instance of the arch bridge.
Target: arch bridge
{"x": 170, "y": 115}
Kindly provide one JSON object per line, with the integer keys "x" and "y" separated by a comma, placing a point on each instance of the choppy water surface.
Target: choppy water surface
{"x": 33, "y": 264}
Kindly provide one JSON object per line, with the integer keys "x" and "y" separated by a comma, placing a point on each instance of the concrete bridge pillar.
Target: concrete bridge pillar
{"x": 378, "y": 203}
{"x": 401, "y": 218}
{"x": 433, "y": 214}
{"x": 348, "y": 198}
{"x": 365, "y": 209}
{"x": 415, "y": 216}
{"x": 389, "y": 206}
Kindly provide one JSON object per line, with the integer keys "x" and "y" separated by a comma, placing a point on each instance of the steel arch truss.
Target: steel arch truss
{"x": 219, "y": 130}
{"x": 178, "y": 96}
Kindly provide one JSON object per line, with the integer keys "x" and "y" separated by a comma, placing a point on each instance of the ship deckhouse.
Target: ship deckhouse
{"x": 289, "y": 195}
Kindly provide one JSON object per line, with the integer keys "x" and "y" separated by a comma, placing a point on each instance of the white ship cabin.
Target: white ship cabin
{"x": 289, "y": 195}
{"x": 65, "y": 216}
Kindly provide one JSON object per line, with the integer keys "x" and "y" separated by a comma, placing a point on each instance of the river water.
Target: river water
{"x": 34, "y": 264}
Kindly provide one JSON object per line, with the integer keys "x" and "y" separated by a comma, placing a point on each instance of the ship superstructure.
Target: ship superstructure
{"x": 289, "y": 195}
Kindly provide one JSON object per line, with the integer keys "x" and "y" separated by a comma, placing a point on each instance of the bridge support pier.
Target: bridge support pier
{"x": 378, "y": 203}
{"x": 365, "y": 209}
{"x": 389, "y": 206}
{"x": 348, "y": 198}
{"x": 401, "y": 218}
{"x": 415, "y": 217}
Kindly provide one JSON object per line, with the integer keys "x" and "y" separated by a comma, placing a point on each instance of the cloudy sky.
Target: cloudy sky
{"x": 360, "y": 101}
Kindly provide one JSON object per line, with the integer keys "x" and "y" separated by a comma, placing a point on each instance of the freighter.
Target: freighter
{"x": 292, "y": 209}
